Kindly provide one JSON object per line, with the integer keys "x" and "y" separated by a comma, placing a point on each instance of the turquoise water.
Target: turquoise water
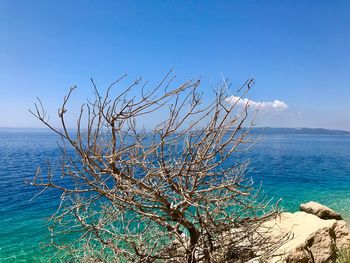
{"x": 300, "y": 168}
{"x": 297, "y": 168}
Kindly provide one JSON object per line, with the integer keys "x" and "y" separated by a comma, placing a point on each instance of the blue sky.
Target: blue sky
{"x": 297, "y": 51}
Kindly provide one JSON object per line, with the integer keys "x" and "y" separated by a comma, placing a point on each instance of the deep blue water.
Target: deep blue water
{"x": 297, "y": 168}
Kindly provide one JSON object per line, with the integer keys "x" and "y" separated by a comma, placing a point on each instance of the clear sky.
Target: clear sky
{"x": 297, "y": 51}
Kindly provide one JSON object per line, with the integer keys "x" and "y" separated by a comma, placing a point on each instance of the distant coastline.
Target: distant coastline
{"x": 313, "y": 131}
{"x": 260, "y": 130}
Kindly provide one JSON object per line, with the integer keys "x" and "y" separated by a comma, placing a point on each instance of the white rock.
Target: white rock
{"x": 319, "y": 210}
{"x": 306, "y": 238}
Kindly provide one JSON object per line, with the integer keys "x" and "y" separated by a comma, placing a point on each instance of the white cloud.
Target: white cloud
{"x": 261, "y": 105}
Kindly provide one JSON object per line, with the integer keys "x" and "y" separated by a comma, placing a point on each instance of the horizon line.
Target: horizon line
{"x": 254, "y": 127}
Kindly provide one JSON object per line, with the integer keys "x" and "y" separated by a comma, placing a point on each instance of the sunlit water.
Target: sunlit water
{"x": 297, "y": 168}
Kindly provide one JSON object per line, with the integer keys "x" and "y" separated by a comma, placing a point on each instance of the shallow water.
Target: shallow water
{"x": 297, "y": 168}
{"x": 300, "y": 168}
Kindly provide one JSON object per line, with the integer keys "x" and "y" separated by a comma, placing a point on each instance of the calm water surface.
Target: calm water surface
{"x": 297, "y": 168}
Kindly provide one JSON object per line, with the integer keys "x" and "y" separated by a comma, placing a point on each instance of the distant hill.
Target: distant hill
{"x": 315, "y": 131}
{"x": 260, "y": 130}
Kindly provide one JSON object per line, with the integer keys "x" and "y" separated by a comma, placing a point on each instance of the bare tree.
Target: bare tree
{"x": 175, "y": 193}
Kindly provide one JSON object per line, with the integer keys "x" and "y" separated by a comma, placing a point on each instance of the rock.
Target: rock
{"x": 306, "y": 238}
{"x": 299, "y": 255}
{"x": 342, "y": 235}
{"x": 297, "y": 228}
{"x": 322, "y": 246}
{"x": 319, "y": 210}
{"x": 254, "y": 260}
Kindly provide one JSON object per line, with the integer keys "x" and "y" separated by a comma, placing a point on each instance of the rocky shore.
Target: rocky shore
{"x": 315, "y": 234}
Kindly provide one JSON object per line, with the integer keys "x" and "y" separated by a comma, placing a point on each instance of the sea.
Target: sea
{"x": 294, "y": 167}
